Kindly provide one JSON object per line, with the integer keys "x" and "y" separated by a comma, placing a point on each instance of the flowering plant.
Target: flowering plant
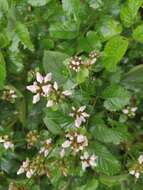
{"x": 71, "y": 81}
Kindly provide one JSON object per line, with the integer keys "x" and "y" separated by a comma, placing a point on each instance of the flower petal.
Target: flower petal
{"x": 32, "y": 88}
{"x": 36, "y": 98}
{"x": 39, "y": 77}
{"x": 50, "y": 103}
{"x": 48, "y": 77}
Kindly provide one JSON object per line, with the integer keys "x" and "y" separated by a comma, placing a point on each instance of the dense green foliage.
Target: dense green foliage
{"x": 84, "y": 131}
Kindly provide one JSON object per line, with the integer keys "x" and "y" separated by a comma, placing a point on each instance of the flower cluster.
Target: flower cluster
{"x": 76, "y": 141}
{"x": 130, "y": 111}
{"x": 9, "y": 95}
{"x": 45, "y": 87}
{"x": 88, "y": 160}
{"x": 37, "y": 166}
{"x": 32, "y": 138}
{"x": 80, "y": 115}
{"x": 76, "y": 62}
{"x": 137, "y": 168}
{"x": 46, "y": 147}
{"x": 7, "y": 143}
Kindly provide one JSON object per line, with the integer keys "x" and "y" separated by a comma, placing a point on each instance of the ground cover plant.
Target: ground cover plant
{"x": 71, "y": 94}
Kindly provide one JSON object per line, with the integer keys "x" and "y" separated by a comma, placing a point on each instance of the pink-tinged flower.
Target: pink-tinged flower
{"x": 130, "y": 111}
{"x": 80, "y": 115}
{"x": 7, "y": 143}
{"x": 46, "y": 147}
{"x": 88, "y": 160}
{"x": 41, "y": 87}
{"x": 75, "y": 141}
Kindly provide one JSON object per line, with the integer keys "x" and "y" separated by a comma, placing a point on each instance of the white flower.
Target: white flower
{"x": 62, "y": 153}
{"x": 46, "y": 148}
{"x": 23, "y": 167}
{"x": 40, "y": 87}
{"x": 88, "y": 160}
{"x": 135, "y": 173}
{"x": 80, "y": 138}
{"x": 130, "y": 111}
{"x": 134, "y": 109}
{"x": 67, "y": 93}
{"x": 55, "y": 86}
{"x": 80, "y": 115}
{"x": 140, "y": 159}
{"x": 75, "y": 141}
{"x": 36, "y": 98}
{"x": 50, "y": 103}
{"x": 8, "y": 144}
{"x": 20, "y": 171}
{"x": 75, "y": 63}
{"x": 125, "y": 111}
{"x": 66, "y": 144}
{"x": 29, "y": 173}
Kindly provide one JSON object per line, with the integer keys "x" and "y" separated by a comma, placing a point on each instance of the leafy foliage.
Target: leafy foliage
{"x": 71, "y": 81}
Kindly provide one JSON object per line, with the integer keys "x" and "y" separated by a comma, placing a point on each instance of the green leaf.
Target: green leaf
{"x": 23, "y": 34}
{"x": 53, "y": 62}
{"x": 82, "y": 75}
{"x": 138, "y": 33}
{"x": 95, "y": 4}
{"x": 4, "y": 5}
{"x": 107, "y": 163}
{"x": 116, "y": 97}
{"x": 71, "y": 7}
{"x": 38, "y": 3}
{"x": 52, "y": 126}
{"x": 63, "y": 30}
{"x": 2, "y": 71}
{"x": 93, "y": 40}
{"x": 109, "y": 28}
{"x": 114, "y": 52}
{"x": 108, "y": 135}
{"x": 129, "y": 11}
{"x": 92, "y": 184}
{"x": 134, "y": 78}
{"x": 4, "y": 40}
{"x": 113, "y": 180}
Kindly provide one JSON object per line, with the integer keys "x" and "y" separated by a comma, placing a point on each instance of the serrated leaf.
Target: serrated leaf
{"x": 113, "y": 180}
{"x": 134, "y": 78}
{"x": 90, "y": 185}
{"x": 38, "y": 3}
{"x": 129, "y": 11}
{"x": 63, "y": 30}
{"x": 108, "y": 135}
{"x": 53, "y": 62}
{"x": 23, "y": 34}
{"x": 138, "y": 33}
{"x": 107, "y": 163}
{"x": 109, "y": 28}
{"x": 2, "y": 71}
{"x": 116, "y": 97}
{"x": 71, "y": 7}
{"x": 114, "y": 52}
